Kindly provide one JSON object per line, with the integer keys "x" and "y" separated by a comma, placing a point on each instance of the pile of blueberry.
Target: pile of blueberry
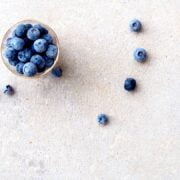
{"x": 30, "y": 49}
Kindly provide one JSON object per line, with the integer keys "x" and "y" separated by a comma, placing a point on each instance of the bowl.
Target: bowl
{"x": 9, "y": 33}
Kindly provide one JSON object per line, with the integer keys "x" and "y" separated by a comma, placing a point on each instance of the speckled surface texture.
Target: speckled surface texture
{"x": 48, "y": 129}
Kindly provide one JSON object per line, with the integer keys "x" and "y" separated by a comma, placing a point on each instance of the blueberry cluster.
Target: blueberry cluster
{"x": 30, "y": 49}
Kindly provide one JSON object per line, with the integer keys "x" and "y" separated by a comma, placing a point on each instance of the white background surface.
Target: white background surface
{"x": 48, "y": 130}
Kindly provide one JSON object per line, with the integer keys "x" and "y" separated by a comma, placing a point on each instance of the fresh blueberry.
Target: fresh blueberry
{"x": 52, "y": 51}
{"x": 41, "y": 29}
{"x": 48, "y": 38}
{"x": 140, "y": 55}
{"x": 19, "y": 67}
{"x": 48, "y": 61}
{"x": 130, "y": 84}
{"x": 135, "y": 25}
{"x": 57, "y": 72}
{"x": 29, "y": 69}
{"x": 13, "y": 62}
{"x": 8, "y": 42}
{"x": 17, "y": 43}
{"x": 40, "y": 45}
{"x": 24, "y": 55}
{"x": 28, "y": 26}
{"x": 9, "y": 90}
{"x": 102, "y": 119}
{"x": 20, "y": 30}
{"x": 10, "y": 53}
{"x": 33, "y": 34}
{"x": 38, "y": 61}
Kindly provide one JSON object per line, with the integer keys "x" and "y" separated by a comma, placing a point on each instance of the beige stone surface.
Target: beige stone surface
{"x": 48, "y": 129}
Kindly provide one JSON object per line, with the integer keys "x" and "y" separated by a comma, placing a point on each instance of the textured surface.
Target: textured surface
{"x": 48, "y": 130}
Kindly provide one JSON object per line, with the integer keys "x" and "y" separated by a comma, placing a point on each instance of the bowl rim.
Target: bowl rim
{"x": 38, "y": 75}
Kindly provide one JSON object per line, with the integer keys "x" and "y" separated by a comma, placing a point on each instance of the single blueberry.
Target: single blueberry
{"x": 10, "y": 53}
{"x": 48, "y": 38}
{"x": 33, "y": 34}
{"x": 135, "y": 25}
{"x": 17, "y": 43}
{"x": 28, "y": 26}
{"x": 102, "y": 119}
{"x": 130, "y": 84}
{"x": 140, "y": 55}
{"x": 20, "y": 30}
{"x": 38, "y": 61}
{"x": 29, "y": 69}
{"x": 13, "y": 62}
{"x": 40, "y": 45}
{"x": 9, "y": 43}
{"x": 57, "y": 72}
{"x": 9, "y": 90}
{"x": 41, "y": 29}
{"x": 24, "y": 55}
{"x": 19, "y": 67}
{"x": 52, "y": 51}
{"x": 48, "y": 61}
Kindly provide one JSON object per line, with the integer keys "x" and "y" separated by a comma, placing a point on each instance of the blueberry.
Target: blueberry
{"x": 9, "y": 90}
{"x": 13, "y": 62}
{"x": 28, "y": 26}
{"x": 9, "y": 43}
{"x": 48, "y": 38}
{"x": 52, "y": 51}
{"x": 57, "y": 72}
{"x": 140, "y": 54}
{"x": 48, "y": 61}
{"x": 20, "y": 30}
{"x": 24, "y": 55}
{"x": 41, "y": 29}
{"x": 33, "y": 34}
{"x": 38, "y": 61}
{"x": 135, "y": 25}
{"x": 130, "y": 84}
{"x": 29, "y": 69}
{"x": 19, "y": 67}
{"x": 102, "y": 119}
{"x": 40, "y": 45}
{"x": 10, "y": 53}
{"x": 17, "y": 43}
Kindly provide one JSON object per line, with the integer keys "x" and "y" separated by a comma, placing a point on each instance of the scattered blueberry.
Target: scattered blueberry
{"x": 140, "y": 54}
{"x": 29, "y": 69}
{"x": 33, "y": 34}
{"x": 9, "y": 90}
{"x": 24, "y": 55}
{"x": 52, "y": 51}
{"x": 48, "y": 61}
{"x": 102, "y": 119}
{"x": 40, "y": 45}
{"x": 19, "y": 67}
{"x": 38, "y": 61}
{"x": 17, "y": 43}
{"x": 135, "y": 25}
{"x": 10, "y": 53}
{"x": 130, "y": 84}
{"x": 57, "y": 72}
{"x": 41, "y": 29}
{"x": 48, "y": 38}
{"x": 20, "y": 30}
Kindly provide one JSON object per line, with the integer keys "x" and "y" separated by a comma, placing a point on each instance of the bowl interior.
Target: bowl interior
{"x": 9, "y": 33}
